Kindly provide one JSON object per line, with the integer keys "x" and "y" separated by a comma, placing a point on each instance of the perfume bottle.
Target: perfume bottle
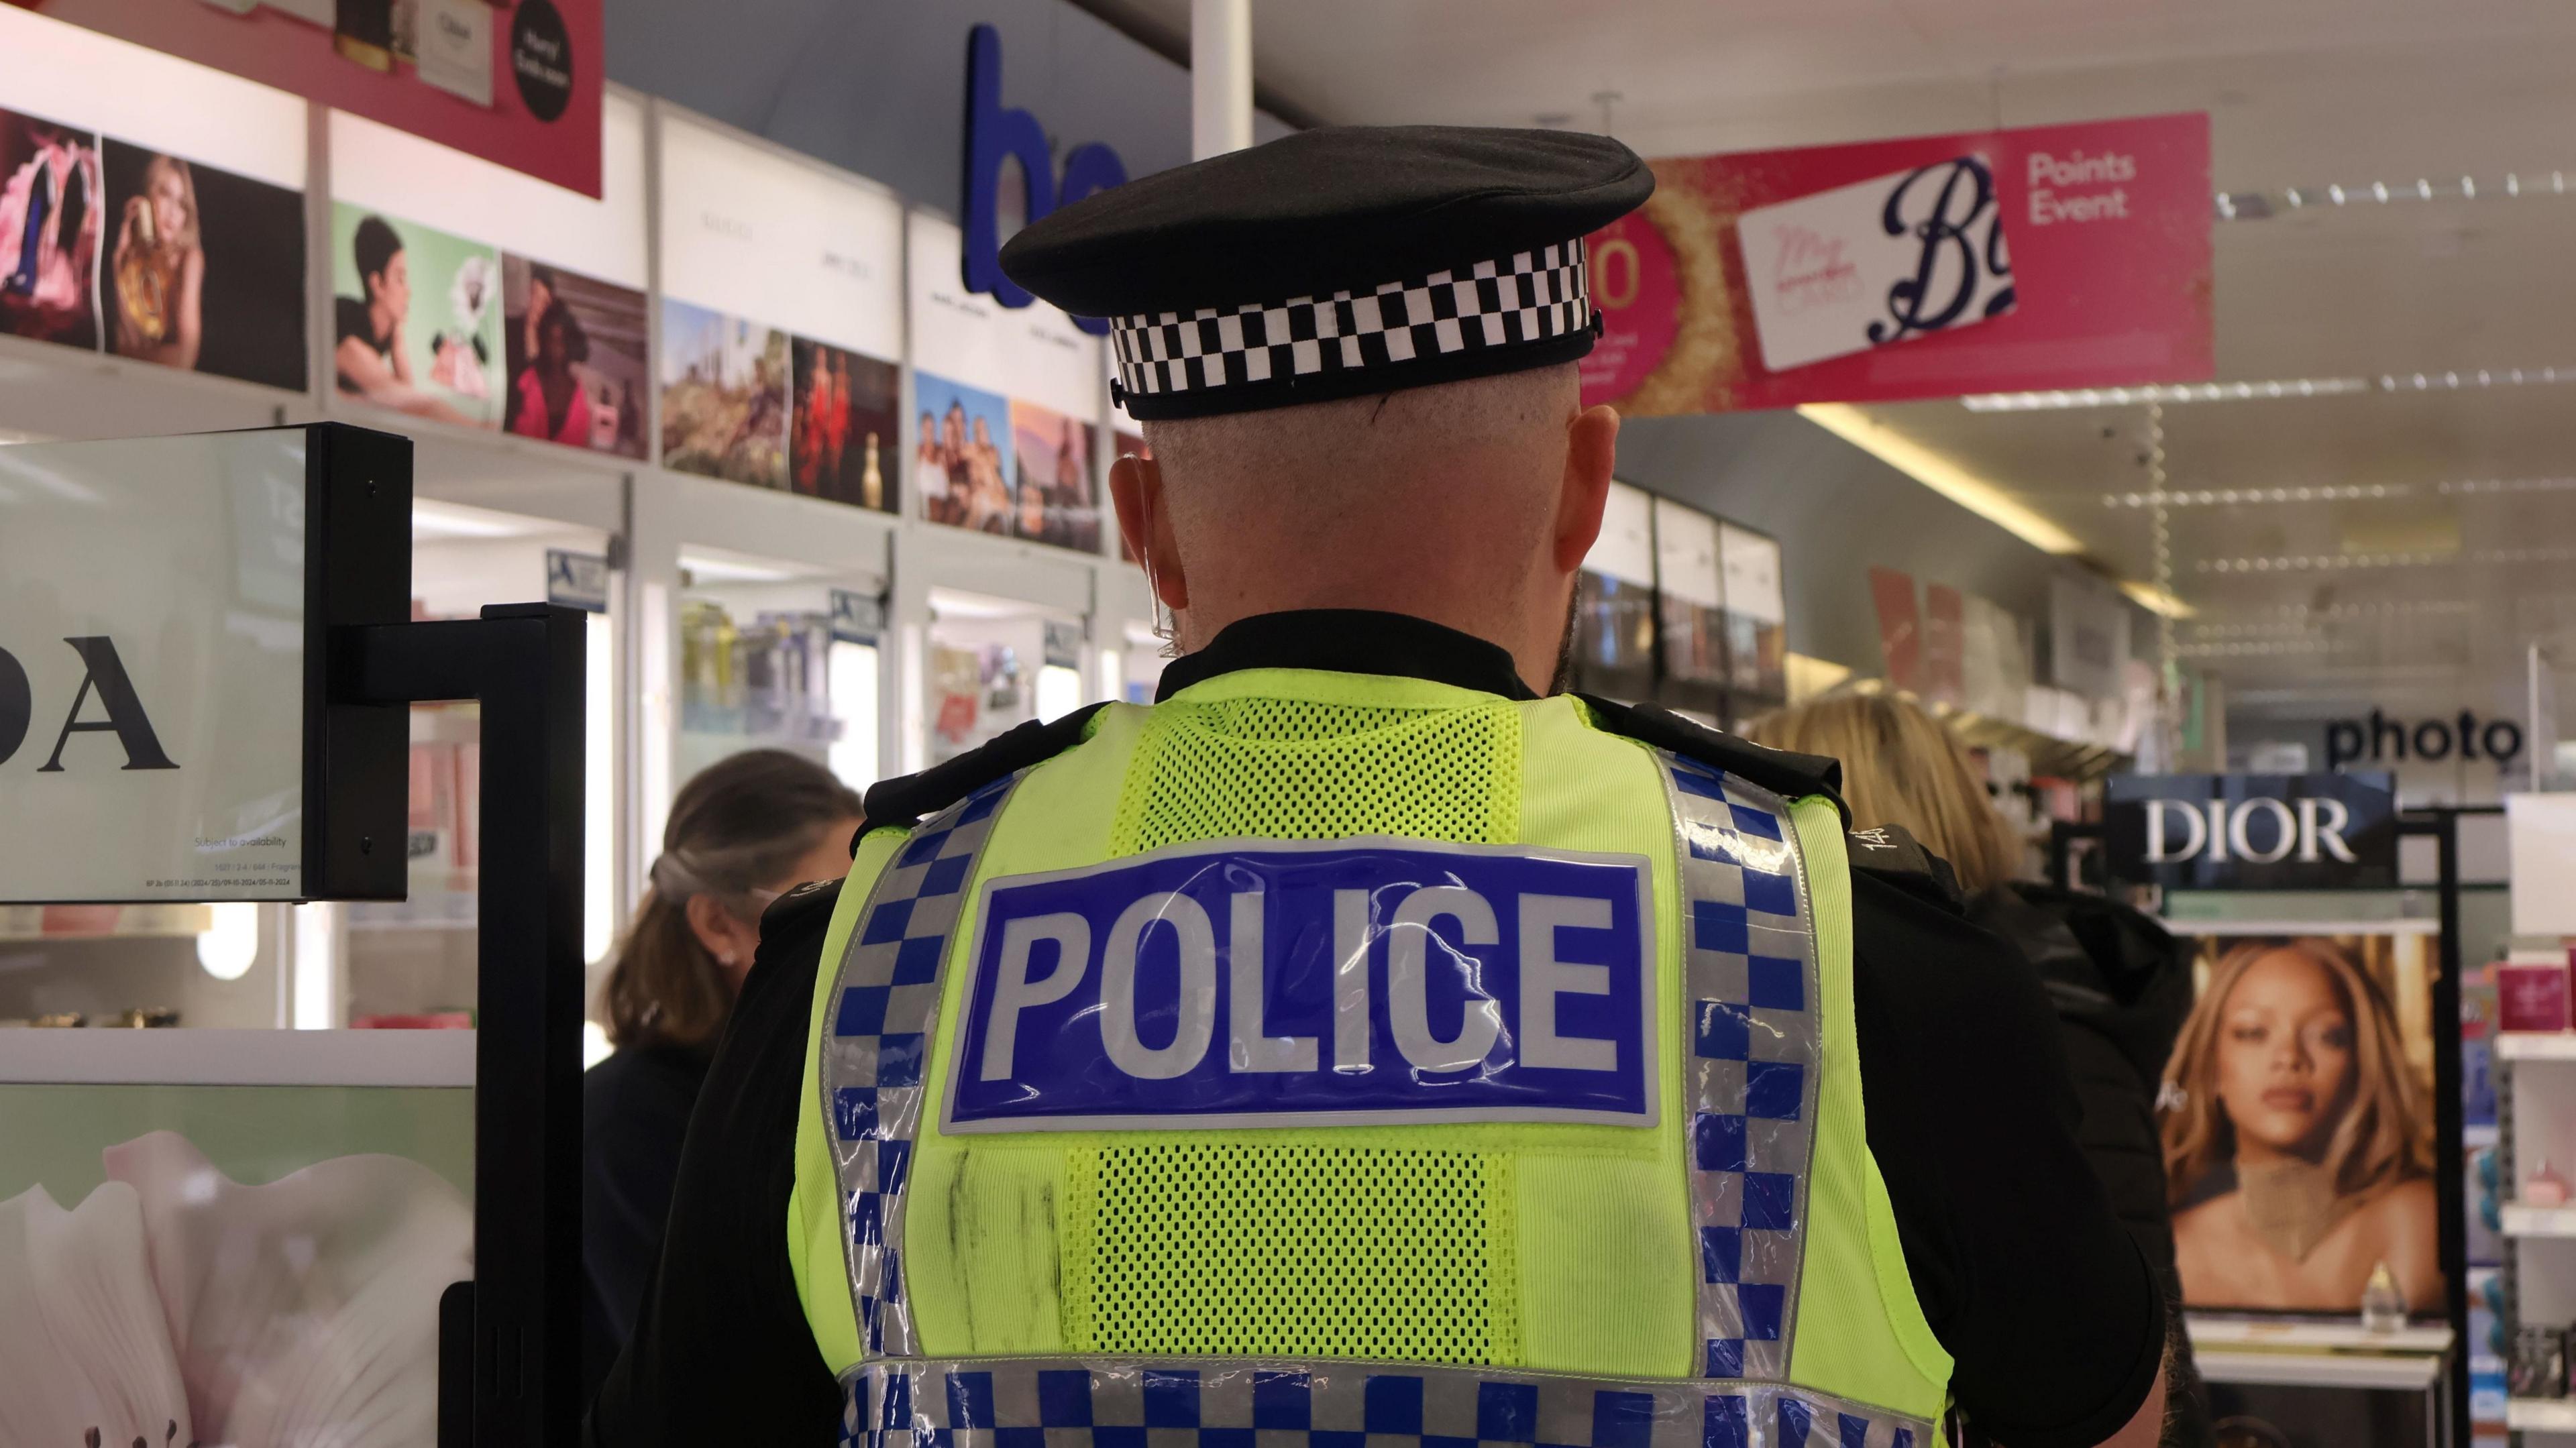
{"x": 2383, "y": 1306}
{"x": 2544, "y": 1187}
{"x": 871, "y": 481}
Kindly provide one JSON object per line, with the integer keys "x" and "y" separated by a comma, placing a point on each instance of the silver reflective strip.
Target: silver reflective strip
{"x": 885, "y": 997}
{"x": 1750, "y": 968}
{"x": 1278, "y": 1403}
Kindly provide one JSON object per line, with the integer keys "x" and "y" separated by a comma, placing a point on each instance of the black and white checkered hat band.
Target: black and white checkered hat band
{"x": 1530, "y": 299}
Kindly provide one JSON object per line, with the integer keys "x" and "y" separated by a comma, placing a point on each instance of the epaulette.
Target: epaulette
{"x": 1891, "y": 853}
{"x": 799, "y": 906}
{"x": 1790, "y": 776}
{"x": 903, "y": 802}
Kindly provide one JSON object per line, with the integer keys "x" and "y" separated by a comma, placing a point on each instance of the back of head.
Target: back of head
{"x": 1384, "y": 501}
{"x": 1901, "y": 767}
{"x": 743, "y": 822}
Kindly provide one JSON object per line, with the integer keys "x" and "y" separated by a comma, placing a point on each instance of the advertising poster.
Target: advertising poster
{"x": 53, "y": 215}
{"x": 2043, "y": 257}
{"x": 777, "y": 251}
{"x": 963, "y": 464}
{"x": 2297, "y": 1118}
{"x": 1025, "y": 375}
{"x": 152, "y": 631}
{"x": 204, "y": 269}
{"x": 416, "y": 323}
{"x": 845, "y": 430}
{"x": 724, "y": 396}
{"x": 1691, "y": 596}
{"x": 1058, "y": 500}
{"x": 576, "y": 358}
{"x": 1945, "y": 645}
{"x": 1900, "y": 626}
{"x": 196, "y": 1263}
{"x": 519, "y": 85}
{"x": 1757, "y": 617}
{"x": 1614, "y": 600}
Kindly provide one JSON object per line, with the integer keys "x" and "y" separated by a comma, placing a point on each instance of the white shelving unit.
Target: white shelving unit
{"x": 2541, "y": 1415}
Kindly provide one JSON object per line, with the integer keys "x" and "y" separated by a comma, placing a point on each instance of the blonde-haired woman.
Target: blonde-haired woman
{"x": 2119, "y": 981}
{"x": 1901, "y": 767}
{"x": 2292, "y": 1089}
{"x": 160, "y": 269}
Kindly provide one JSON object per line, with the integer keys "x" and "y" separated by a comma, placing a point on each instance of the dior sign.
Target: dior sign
{"x": 2216, "y": 831}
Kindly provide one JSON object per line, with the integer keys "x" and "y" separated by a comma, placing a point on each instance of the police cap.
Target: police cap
{"x": 1337, "y": 262}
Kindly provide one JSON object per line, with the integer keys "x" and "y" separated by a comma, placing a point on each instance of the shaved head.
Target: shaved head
{"x": 1456, "y": 503}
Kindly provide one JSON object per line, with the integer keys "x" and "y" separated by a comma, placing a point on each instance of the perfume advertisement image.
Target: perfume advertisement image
{"x": 1057, "y": 500}
{"x": 845, "y": 438}
{"x": 724, "y": 396}
{"x": 416, "y": 324}
{"x": 576, "y": 358}
{"x": 2297, "y": 1119}
{"x": 962, "y": 461}
{"x": 204, "y": 269}
{"x": 52, "y": 222}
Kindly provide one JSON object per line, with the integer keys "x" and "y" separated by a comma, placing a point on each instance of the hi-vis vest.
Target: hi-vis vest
{"x": 1335, "y": 1055}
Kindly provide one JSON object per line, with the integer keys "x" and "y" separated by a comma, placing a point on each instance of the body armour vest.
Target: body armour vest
{"x": 1367, "y": 1060}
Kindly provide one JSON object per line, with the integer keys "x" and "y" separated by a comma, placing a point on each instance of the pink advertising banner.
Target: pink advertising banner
{"x": 515, "y": 82}
{"x": 2044, "y": 257}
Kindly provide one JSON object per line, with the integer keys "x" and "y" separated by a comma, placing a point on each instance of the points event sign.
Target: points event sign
{"x": 2045, "y": 257}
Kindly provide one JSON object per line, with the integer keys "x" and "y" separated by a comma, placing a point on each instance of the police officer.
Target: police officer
{"x": 1362, "y": 1040}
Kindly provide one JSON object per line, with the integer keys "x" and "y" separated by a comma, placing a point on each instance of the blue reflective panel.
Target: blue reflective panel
{"x": 1268, "y": 982}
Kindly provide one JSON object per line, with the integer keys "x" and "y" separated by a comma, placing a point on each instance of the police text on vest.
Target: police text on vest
{"x": 1273, "y": 983}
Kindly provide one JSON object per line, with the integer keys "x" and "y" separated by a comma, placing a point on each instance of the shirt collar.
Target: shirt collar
{"x": 1350, "y": 641}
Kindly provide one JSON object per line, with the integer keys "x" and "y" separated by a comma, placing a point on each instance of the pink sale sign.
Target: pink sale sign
{"x": 2045, "y": 257}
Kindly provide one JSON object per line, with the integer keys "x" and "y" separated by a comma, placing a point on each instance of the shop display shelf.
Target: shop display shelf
{"x": 424, "y": 910}
{"x": 48, "y": 923}
{"x": 2536, "y": 1045}
{"x": 2541, "y": 1415}
{"x": 2521, "y": 1219}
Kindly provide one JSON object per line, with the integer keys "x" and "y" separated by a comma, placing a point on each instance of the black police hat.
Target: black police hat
{"x": 1337, "y": 262}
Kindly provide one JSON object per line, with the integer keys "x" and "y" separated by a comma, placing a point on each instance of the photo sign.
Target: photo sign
{"x": 2252, "y": 831}
{"x": 2042, "y": 257}
{"x": 166, "y": 726}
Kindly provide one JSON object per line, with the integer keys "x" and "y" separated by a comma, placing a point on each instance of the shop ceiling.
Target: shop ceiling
{"x": 2372, "y": 535}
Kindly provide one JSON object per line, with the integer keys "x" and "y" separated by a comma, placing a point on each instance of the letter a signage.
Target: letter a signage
{"x": 2252, "y": 831}
{"x": 167, "y": 607}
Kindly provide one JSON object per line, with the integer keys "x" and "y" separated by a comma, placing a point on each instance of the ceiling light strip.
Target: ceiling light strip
{"x": 2448, "y": 380}
{"x": 2259, "y": 205}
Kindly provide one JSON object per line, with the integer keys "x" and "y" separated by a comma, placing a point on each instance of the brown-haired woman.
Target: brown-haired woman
{"x": 743, "y": 832}
{"x": 2292, "y": 1089}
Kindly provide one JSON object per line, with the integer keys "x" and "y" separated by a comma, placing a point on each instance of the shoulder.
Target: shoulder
{"x": 904, "y": 802}
{"x": 2404, "y": 1210}
{"x": 1790, "y": 776}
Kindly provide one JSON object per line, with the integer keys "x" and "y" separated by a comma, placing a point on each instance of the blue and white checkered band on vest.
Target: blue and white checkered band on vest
{"x": 1531, "y": 296}
{"x": 1752, "y": 985}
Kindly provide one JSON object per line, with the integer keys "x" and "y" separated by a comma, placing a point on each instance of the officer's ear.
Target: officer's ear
{"x": 1591, "y": 455}
{"x": 1136, "y": 489}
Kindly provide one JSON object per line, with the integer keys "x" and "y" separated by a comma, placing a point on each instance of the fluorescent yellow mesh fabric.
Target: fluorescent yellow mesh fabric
{"x": 1293, "y": 1249}
{"x": 1234, "y": 1247}
{"x": 1293, "y": 769}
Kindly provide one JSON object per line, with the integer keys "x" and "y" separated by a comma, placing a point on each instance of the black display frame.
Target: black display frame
{"x": 2439, "y": 823}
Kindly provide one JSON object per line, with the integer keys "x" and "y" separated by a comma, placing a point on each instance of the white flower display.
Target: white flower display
{"x": 85, "y": 1352}
{"x": 177, "y": 1306}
